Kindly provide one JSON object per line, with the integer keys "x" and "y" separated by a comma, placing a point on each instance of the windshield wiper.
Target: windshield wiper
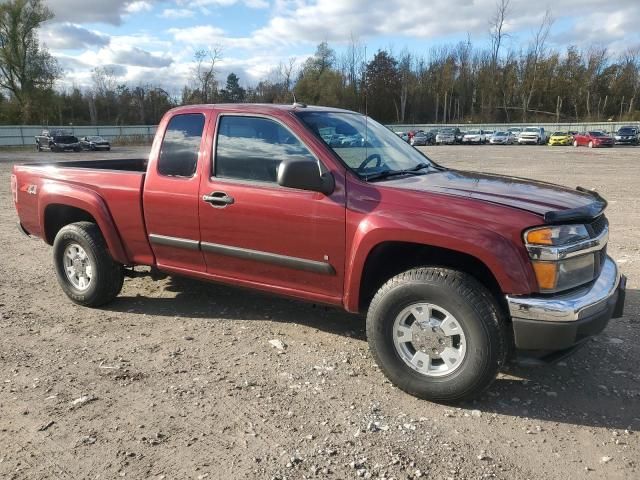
{"x": 394, "y": 173}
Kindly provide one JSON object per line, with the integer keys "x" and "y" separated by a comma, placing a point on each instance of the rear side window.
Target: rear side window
{"x": 251, "y": 148}
{"x": 181, "y": 145}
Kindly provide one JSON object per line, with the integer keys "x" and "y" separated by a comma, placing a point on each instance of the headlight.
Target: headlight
{"x": 565, "y": 274}
{"x": 556, "y": 235}
{"x": 557, "y": 259}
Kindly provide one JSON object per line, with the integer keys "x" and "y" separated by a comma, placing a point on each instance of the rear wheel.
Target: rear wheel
{"x": 437, "y": 334}
{"x": 84, "y": 268}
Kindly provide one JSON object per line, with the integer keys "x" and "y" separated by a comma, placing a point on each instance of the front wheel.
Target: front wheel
{"x": 590, "y": 144}
{"x": 84, "y": 268}
{"x": 437, "y": 334}
{"x": 575, "y": 143}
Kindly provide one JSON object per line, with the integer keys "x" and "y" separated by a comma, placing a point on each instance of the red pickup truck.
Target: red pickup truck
{"x": 457, "y": 270}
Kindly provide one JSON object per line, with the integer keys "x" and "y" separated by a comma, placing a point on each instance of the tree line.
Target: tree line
{"x": 461, "y": 83}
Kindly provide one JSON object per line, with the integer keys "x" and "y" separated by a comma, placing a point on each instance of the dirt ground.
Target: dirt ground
{"x": 177, "y": 379}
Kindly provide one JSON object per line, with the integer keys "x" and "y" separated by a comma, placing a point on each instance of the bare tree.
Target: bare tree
{"x": 530, "y": 65}
{"x": 496, "y": 29}
{"x": 406, "y": 79}
{"x": 205, "y": 73}
{"x": 286, "y": 72}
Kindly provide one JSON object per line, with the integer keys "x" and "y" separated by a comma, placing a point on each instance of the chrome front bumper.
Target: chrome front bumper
{"x": 560, "y": 322}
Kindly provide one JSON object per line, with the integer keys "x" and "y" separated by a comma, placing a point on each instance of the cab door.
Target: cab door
{"x": 171, "y": 202}
{"x": 259, "y": 233}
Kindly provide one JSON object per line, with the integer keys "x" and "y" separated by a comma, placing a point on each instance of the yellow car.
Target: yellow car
{"x": 560, "y": 138}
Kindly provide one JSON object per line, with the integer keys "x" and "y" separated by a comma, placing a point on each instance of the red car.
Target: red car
{"x": 454, "y": 269}
{"x": 592, "y": 139}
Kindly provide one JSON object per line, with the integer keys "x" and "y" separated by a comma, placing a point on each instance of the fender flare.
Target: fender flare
{"x": 498, "y": 254}
{"x": 54, "y": 193}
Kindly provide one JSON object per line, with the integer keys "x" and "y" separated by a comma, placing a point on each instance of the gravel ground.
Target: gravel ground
{"x": 178, "y": 379}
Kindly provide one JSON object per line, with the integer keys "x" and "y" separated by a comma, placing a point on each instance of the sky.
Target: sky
{"x": 154, "y": 41}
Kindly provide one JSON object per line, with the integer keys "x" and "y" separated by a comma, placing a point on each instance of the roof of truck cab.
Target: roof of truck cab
{"x": 263, "y": 108}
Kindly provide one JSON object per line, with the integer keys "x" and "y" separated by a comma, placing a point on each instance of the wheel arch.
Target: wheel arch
{"x": 387, "y": 259}
{"x": 62, "y": 204}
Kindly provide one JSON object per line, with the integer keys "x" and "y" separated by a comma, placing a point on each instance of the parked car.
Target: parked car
{"x": 474, "y": 136}
{"x": 455, "y": 269}
{"x": 532, "y": 135}
{"x": 593, "y": 139}
{"x": 515, "y": 131}
{"x": 560, "y": 138}
{"x": 95, "y": 143}
{"x": 446, "y": 136}
{"x": 488, "y": 134}
{"x": 57, "y": 141}
{"x": 627, "y": 136}
{"x": 422, "y": 138}
{"x": 502, "y": 138}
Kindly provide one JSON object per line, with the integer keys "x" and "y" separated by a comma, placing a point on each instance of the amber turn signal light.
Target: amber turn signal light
{"x": 541, "y": 236}
{"x": 546, "y": 274}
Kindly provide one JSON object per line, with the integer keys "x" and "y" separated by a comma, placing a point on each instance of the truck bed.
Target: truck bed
{"x": 118, "y": 183}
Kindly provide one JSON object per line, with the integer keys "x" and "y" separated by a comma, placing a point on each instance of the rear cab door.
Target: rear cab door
{"x": 170, "y": 197}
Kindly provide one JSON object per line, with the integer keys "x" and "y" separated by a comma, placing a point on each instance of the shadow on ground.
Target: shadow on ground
{"x": 597, "y": 387}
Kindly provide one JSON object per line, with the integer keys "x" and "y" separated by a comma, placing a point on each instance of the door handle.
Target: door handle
{"x": 218, "y": 199}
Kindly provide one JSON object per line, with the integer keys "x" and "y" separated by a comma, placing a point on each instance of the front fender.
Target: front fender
{"x": 508, "y": 264}
{"x": 56, "y": 193}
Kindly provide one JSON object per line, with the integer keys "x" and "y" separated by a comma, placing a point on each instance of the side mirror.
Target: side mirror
{"x": 304, "y": 175}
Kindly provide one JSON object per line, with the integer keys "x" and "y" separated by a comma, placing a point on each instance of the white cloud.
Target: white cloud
{"x": 225, "y": 3}
{"x": 138, "y": 6}
{"x": 198, "y": 35}
{"x": 176, "y": 13}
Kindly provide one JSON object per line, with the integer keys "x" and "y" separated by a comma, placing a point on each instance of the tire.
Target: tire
{"x": 38, "y": 147}
{"x": 484, "y": 333}
{"x": 575, "y": 143}
{"x": 590, "y": 144}
{"x": 106, "y": 275}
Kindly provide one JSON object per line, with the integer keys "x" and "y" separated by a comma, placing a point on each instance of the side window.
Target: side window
{"x": 180, "y": 146}
{"x": 251, "y": 148}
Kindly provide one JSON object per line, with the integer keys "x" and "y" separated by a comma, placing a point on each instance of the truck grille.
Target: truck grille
{"x": 598, "y": 225}
{"x": 596, "y": 228}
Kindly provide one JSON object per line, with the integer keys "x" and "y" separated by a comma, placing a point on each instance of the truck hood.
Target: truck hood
{"x": 553, "y": 202}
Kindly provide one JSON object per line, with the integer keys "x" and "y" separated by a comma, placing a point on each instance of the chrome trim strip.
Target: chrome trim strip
{"x": 572, "y": 306}
{"x": 174, "y": 242}
{"x": 538, "y": 252}
{"x": 273, "y": 258}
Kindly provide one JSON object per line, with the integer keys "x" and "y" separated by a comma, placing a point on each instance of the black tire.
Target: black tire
{"x": 483, "y": 324}
{"x": 107, "y": 275}
{"x": 38, "y": 147}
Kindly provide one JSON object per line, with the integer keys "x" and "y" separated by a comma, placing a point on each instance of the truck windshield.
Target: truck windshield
{"x": 366, "y": 147}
